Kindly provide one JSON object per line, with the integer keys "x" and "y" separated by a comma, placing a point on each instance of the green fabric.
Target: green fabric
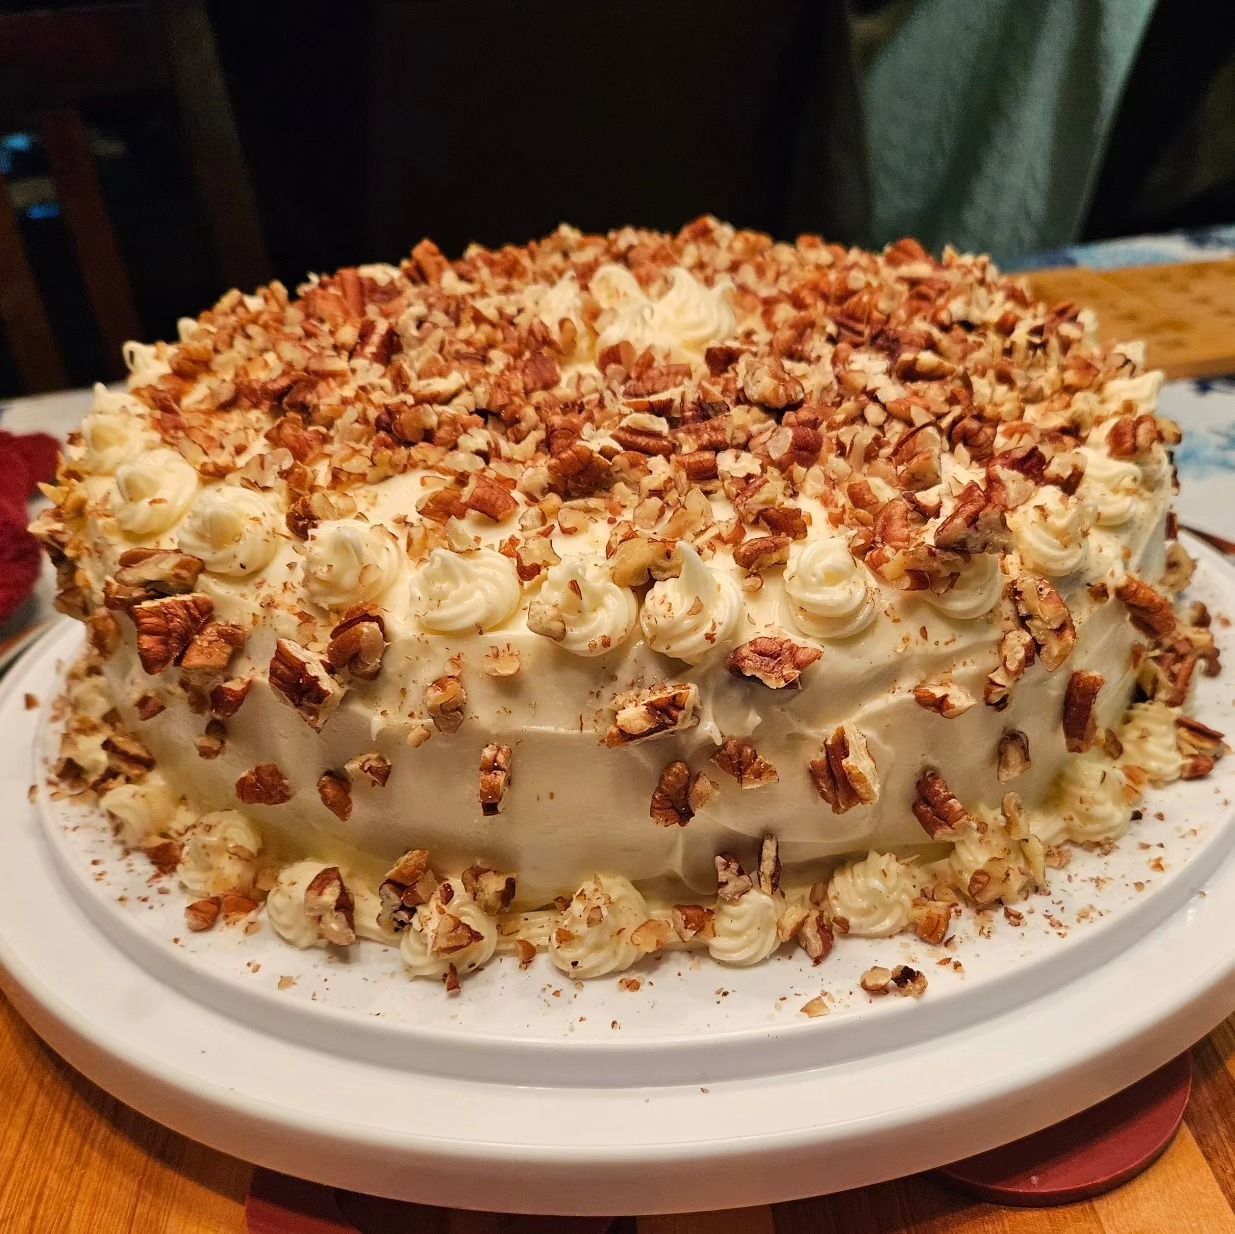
{"x": 987, "y": 120}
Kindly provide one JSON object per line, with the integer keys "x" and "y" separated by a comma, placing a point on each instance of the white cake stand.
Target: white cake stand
{"x": 705, "y": 1088}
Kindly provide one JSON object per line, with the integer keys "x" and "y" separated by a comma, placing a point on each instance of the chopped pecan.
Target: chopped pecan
{"x": 699, "y": 465}
{"x": 164, "y": 855}
{"x": 501, "y": 662}
{"x": 1130, "y": 436}
{"x": 936, "y": 808}
{"x": 264, "y": 785}
{"x": 103, "y": 631}
{"x": 336, "y": 794}
{"x": 213, "y": 741}
{"x": 732, "y": 882}
{"x": 407, "y": 885}
{"x": 442, "y": 504}
{"x": 128, "y": 755}
{"x": 329, "y": 906}
{"x": 931, "y": 921}
{"x": 652, "y": 936}
{"x": 445, "y": 700}
{"x": 166, "y": 627}
{"x": 149, "y": 706}
{"x": 148, "y": 573}
{"x": 1080, "y": 723}
{"x": 495, "y": 501}
{"x": 844, "y": 774}
{"x": 1150, "y": 611}
{"x": 977, "y": 523}
{"x": 227, "y": 697}
{"x": 1017, "y": 651}
{"x": 945, "y": 699}
{"x": 816, "y": 936}
{"x": 762, "y": 553}
{"x": 769, "y": 865}
{"x": 453, "y": 934}
{"x": 212, "y": 649}
{"x": 1201, "y": 747}
{"x": 358, "y": 643}
{"x": 902, "y": 979}
{"x": 776, "y": 662}
{"x": 737, "y": 757}
{"x": 494, "y": 777}
{"x": 494, "y": 892}
{"x": 636, "y": 558}
{"x": 1044, "y": 614}
{"x": 373, "y": 766}
{"x": 784, "y": 520}
{"x": 655, "y": 712}
{"x": 1014, "y": 757}
{"x": 693, "y": 921}
{"x": 767, "y": 383}
{"x": 202, "y": 914}
{"x": 302, "y": 680}
{"x": 679, "y": 795}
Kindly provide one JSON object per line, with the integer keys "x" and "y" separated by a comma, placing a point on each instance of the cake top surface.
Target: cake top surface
{"x": 539, "y": 432}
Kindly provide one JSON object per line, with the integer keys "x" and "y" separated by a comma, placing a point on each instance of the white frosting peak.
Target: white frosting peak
{"x": 1150, "y": 741}
{"x": 455, "y": 592}
{"x": 874, "y": 895}
{"x": 1094, "y": 799}
{"x": 232, "y": 529}
{"x": 1111, "y": 484}
{"x": 285, "y": 908}
{"x": 830, "y": 594}
{"x": 145, "y": 809}
{"x": 745, "y": 929}
{"x": 687, "y": 319}
{"x": 426, "y": 945}
{"x": 348, "y": 562}
{"x": 592, "y": 937}
{"x": 975, "y": 592}
{"x": 153, "y": 492}
{"x": 582, "y": 609}
{"x": 691, "y": 615}
{"x": 113, "y": 433}
{"x": 219, "y": 854}
{"x": 1051, "y": 530}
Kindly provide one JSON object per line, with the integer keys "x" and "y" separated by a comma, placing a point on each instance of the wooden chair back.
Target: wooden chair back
{"x": 51, "y": 64}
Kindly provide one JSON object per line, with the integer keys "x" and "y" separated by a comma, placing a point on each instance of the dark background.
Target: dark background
{"x": 366, "y": 125}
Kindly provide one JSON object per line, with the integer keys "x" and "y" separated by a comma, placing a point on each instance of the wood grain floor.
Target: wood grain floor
{"x": 74, "y": 1161}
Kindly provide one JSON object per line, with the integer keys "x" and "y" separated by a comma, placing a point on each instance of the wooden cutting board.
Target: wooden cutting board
{"x": 1185, "y": 313}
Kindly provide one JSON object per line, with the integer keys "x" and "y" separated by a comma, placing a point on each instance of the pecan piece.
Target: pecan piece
{"x": 228, "y": 696}
{"x": 784, "y": 520}
{"x": 844, "y": 774}
{"x": 494, "y": 892}
{"x": 103, "y": 631}
{"x": 1017, "y": 652}
{"x": 264, "y": 785}
{"x": 148, "y": 573}
{"x": 302, "y": 680}
{"x": 202, "y": 914}
{"x": 358, "y": 643}
{"x": 977, "y": 523}
{"x": 407, "y": 885}
{"x": 762, "y": 553}
{"x": 693, "y": 921}
{"x": 679, "y": 795}
{"x": 769, "y": 865}
{"x": 936, "y": 808}
{"x": 166, "y": 627}
{"x": 656, "y": 712}
{"x": 945, "y": 699}
{"x": 732, "y": 882}
{"x": 494, "y": 777}
{"x": 1014, "y": 757}
{"x": 212, "y": 649}
{"x": 336, "y": 794}
{"x": 329, "y": 906}
{"x": 737, "y": 757}
{"x": 636, "y": 558}
{"x": 815, "y": 935}
{"x": 1044, "y": 614}
{"x": 777, "y": 662}
{"x": 1150, "y": 611}
{"x": 1201, "y": 747}
{"x": 495, "y": 501}
{"x": 375, "y": 768}
{"x": 445, "y": 700}
{"x": 1080, "y": 724}
{"x": 767, "y": 383}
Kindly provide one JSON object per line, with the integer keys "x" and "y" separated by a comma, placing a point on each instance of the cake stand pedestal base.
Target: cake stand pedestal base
{"x": 1093, "y": 1152}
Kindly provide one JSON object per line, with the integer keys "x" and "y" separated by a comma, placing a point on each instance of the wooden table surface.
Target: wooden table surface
{"x": 75, "y": 1161}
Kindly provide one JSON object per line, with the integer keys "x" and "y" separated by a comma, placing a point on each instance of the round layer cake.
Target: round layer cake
{"x": 591, "y": 568}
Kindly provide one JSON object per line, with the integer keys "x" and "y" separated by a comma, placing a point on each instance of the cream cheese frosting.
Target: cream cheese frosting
{"x": 874, "y": 895}
{"x": 152, "y": 492}
{"x": 455, "y": 592}
{"x": 232, "y": 529}
{"x": 348, "y": 563}
{"x": 593, "y": 935}
{"x": 830, "y": 594}
{"x": 582, "y": 609}
{"x": 690, "y": 616}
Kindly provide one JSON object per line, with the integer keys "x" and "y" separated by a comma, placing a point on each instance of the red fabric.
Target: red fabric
{"x": 24, "y": 461}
